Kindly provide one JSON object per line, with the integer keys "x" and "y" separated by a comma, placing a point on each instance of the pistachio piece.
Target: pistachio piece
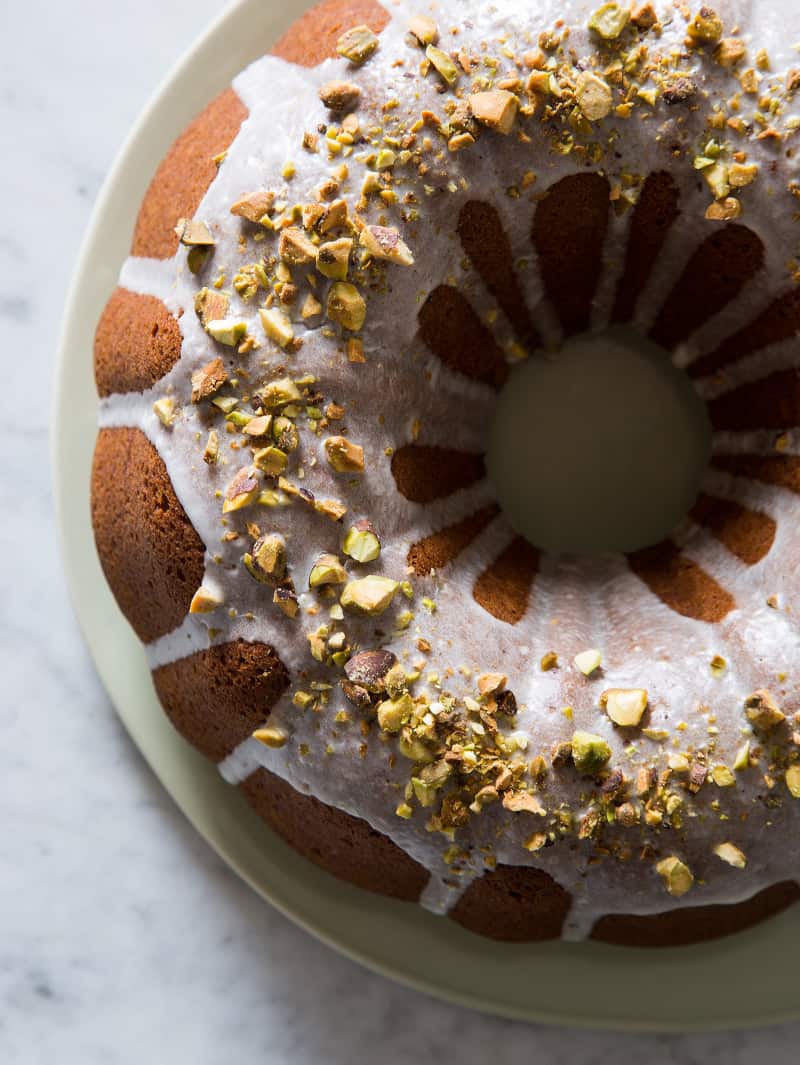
{"x": 208, "y": 380}
{"x": 204, "y": 601}
{"x": 589, "y": 752}
{"x": 792, "y": 778}
{"x": 369, "y": 669}
{"x": 677, "y": 877}
{"x": 211, "y": 450}
{"x": 334, "y": 216}
{"x": 271, "y": 460}
{"x": 346, "y": 306}
{"x": 742, "y": 174}
{"x": 193, "y": 233}
{"x": 588, "y": 661}
{"x": 327, "y": 570}
{"x": 164, "y": 410}
{"x": 763, "y": 711}
{"x": 254, "y": 206}
{"x": 385, "y": 242}
{"x": 369, "y": 595}
{"x": 424, "y": 29}
{"x": 343, "y": 455}
{"x": 679, "y": 91}
{"x": 340, "y": 95}
{"x": 279, "y": 393}
{"x": 496, "y": 109}
{"x": 285, "y": 434}
{"x": 609, "y": 21}
{"x": 593, "y": 95}
{"x": 361, "y": 542}
{"x": 724, "y": 210}
{"x": 311, "y": 307}
{"x": 227, "y": 332}
{"x": 443, "y": 64}
{"x": 394, "y": 713}
{"x": 625, "y": 706}
{"x": 489, "y": 683}
{"x": 295, "y": 248}
{"x": 271, "y": 736}
{"x": 729, "y": 52}
{"x": 210, "y": 305}
{"x": 357, "y": 44}
{"x": 705, "y": 27}
{"x": 266, "y": 561}
{"x": 333, "y": 258}
{"x": 243, "y": 490}
{"x": 644, "y": 16}
{"x": 276, "y": 325}
{"x": 286, "y": 601}
{"x": 731, "y": 854}
{"x": 259, "y": 426}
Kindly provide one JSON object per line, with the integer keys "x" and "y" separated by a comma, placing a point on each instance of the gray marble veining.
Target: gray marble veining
{"x": 123, "y": 938}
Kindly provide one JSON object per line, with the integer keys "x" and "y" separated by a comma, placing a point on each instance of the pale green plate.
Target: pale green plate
{"x": 746, "y": 980}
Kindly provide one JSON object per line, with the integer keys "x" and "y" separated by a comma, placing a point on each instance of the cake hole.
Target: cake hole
{"x": 599, "y": 449}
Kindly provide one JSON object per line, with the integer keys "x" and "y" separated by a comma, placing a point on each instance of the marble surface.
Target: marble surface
{"x": 123, "y": 938}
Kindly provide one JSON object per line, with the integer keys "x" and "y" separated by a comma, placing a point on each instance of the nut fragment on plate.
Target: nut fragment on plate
{"x": 495, "y": 108}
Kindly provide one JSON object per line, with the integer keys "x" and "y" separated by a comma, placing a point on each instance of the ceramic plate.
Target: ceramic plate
{"x": 576, "y": 984}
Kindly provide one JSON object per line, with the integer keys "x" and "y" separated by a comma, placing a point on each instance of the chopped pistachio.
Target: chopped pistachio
{"x": 327, "y": 570}
{"x": 193, "y": 233}
{"x": 311, "y": 307}
{"x": 393, "y": 713}
{"x": 271, "y": 736}
{"x": 258, "y": 426}
{"x": 443, "y": 64}
{"x": 340, "y": 95}
{"x": 792, "y": 778}
{"x": 609, "y": 21}
{"x": 279, "y": 393}
{"x": 369, "y": 595}
{"x": 204, "y": 601}
{"x": 385, "y": 242}
{"x": 254, "y": 206}
{"x": 361, "y": 542}
{"x": 496, "y": 109}
{"x": 227, "y": 332}
{"x": 164, "y": 410}
{"x": 266, "y": 561}
{"x": 424, "y": 29}
{"x": 729, "y": 52}
{"x": 589, "y": 752}
{"x": 548, "y": 661}
{"x": 211, "y": 450}
{"x": 741, "y": 174}
{"x": 357, "y": 44}
{"x": 333, "y": 258}
{"x": 593, "y": 95}
{"x": 724, "y": 210}
{"x": 677, "y": 876}
{"x": 343, "y": 455}
{"x": 271, "y": 460}
{"x": 625, "y": 706}
{"x": 705, "y": 27}
{"x": 286, "y": 601}
{"x": 197, "y": 258}
{"x": 763, "y": 711}
{"x": 731, "y": 854}
{"x": 723, "y": 776}
{"x": 208, "y": 380}
{"x": 276, "y": 325}
{"x": 210, "y": 305}
{"x": 588, "y": 661}
{"x": 295, "y": 248}
{"x": 242, "y": 491}
{"x": 346, "y": 306}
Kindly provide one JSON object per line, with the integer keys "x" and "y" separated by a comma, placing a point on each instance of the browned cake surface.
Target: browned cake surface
{"x": 344, "y": 846}
{"x": 216, "y": 698}
{"x": 151, "y": 555}
{"x": 696, "y": 923}
{"x": 136, "y": 343}
{"x": 313, "y": 36}
{"x": 513, "y": 903}
{"x": 654, "y": 213}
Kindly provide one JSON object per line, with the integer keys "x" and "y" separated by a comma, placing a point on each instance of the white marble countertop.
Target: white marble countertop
{"x": 123, "y": 938}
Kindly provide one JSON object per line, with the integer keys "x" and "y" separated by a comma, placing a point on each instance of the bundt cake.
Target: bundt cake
{"x": 335, "y": 269}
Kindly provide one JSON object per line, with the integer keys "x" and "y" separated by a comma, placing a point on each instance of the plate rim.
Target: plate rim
{"x": 67, "y": 437}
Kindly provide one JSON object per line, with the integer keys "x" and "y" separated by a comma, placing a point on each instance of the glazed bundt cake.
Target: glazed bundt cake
{"x": 335, "y": 269}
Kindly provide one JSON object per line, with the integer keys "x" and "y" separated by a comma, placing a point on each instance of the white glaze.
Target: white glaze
{"x": 576, "y": 602}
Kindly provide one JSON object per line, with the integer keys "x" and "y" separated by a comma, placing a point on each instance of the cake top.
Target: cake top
{"x": 324, "y": 426}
